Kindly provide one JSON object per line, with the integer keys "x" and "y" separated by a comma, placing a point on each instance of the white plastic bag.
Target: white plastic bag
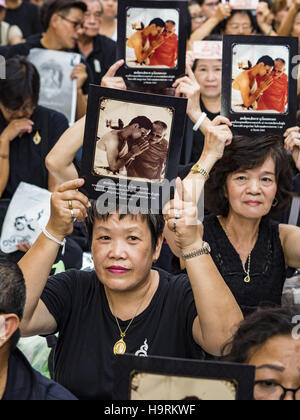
{"x": 28, "y": 212}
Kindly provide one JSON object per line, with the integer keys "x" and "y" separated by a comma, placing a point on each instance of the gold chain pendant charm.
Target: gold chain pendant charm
{"x": 247, "y": 279}
{"x": 120, "y": 346}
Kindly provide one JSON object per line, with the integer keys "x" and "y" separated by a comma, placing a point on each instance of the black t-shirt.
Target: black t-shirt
{"x": 26, "y": 155}
{"x": 101, "y": 58}
{"x": 34, "y": 41}
{"x": 26, "y": 384}
{"x": 26, "y": 17}
{"x": 88, "y": 330}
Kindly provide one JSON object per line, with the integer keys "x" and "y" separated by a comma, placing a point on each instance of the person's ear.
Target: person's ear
{"x": 9, "y": 323}
{"x": 55, "y": 20}
{"x": 158, "y": 247}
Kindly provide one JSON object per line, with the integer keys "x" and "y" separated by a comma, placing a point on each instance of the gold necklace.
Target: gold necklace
{"x": 247, "y": 279}
{"x": 120, "y": 345}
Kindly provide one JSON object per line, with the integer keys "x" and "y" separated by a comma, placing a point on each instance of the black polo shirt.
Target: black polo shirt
{"x": 26, "y": 157}
{"x": 102, "y": 57}
{"x": 26, "y": 384}
{"x": 34, "y": 41}
{"x": 26, "y": 17}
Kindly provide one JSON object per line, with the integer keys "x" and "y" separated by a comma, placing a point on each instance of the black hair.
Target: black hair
{"x": 220, "y": 28}
{"x": 142, "y": 121}
{"x": 248, "y": 153}
{"x": 22, "y": 82}
{"x": 58, "y": 6}
{"x": 267, "y": 60}
{"x": 157, "y": 22}
{"x": 12, "y": 293}
{"x": 257, "y": 329}
{"x": 155, "y": 222}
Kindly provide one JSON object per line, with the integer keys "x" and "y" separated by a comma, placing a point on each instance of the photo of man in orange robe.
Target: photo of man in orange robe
{"x": 276, "y": 96}
{"x": 166, "y": 54}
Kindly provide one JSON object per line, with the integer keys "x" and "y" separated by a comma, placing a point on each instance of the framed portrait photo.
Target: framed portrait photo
{"x": 131, "y": 147}
{"x": 163, "y": 379}
{"x": 259, "y": 83}
{"x": 152, "y": 41}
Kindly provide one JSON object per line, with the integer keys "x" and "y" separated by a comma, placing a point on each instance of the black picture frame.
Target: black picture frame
{"x": 147, "y": 78}
{"x": 257, "y": 122}
{"x": 126, "y": 367}
{"x": 141, "y": 193}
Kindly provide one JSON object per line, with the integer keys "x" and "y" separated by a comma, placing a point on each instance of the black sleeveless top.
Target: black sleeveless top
{"x": 267, "y": 267}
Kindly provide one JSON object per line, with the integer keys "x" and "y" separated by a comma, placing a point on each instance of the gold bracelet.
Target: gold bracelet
{"x": 196, "y": 169}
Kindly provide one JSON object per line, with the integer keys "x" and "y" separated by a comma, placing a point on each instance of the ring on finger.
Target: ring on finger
{"x": 174, "y": 226}
{"x": 72, "y": 214}
{"x": 70, "y": 205}
{"x": 177, "y": 214}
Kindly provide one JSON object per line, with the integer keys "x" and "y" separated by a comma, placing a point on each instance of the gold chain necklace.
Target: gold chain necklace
{"x": 120, "y": 346}
{"x": 247, "y": 278}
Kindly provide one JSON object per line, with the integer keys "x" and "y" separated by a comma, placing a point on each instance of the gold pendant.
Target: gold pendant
{"x": 247, "y": 279}
{"x": 120, "y": 347}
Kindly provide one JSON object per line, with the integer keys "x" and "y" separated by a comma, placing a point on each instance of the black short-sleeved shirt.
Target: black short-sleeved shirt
{"x": 88, "y": 330}
{"x": 25, "y": 157}
{"x": 34, "y": 41}
{"x": 101, "y": 58}
{"x": 26, "y": 17}
{"x": 26, "y": 384}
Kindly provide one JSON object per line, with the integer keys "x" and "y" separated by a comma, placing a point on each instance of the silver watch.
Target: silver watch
{"x": 202, "y": 251}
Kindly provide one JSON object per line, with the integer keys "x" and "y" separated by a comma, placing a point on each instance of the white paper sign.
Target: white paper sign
{"x": 58, "y": 91}
{"x": 28, "y": 212}
{"x": 207, "y": 50}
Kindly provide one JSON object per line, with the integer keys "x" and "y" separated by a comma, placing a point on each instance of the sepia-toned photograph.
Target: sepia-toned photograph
{"x": 152, "y": 37}
{"x": 132, "y": 140}
{"x": 260, "y": 79}
{"x": 149, "y": 386}
{"x": 166, "y": 378}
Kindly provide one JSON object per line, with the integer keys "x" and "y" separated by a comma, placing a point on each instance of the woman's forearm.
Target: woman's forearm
{"x": 59, "y": 161}
{"x": 286, "y": 26}
{"x": 218, "y": 312}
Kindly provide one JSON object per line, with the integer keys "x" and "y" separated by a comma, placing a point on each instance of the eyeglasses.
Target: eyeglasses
{"x": 215, "y": 4}
{"x": 76, "y": 25}
{"x": 270, "y": 390}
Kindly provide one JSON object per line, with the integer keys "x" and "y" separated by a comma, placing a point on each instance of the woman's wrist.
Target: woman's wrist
{"x": 207, "y": 161}
{"x": 194, "y": 115}
{"x": 194, "y": 246}
{"x": 57, "y": 235}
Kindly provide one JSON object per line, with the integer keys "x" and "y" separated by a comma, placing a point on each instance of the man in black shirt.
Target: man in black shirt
{"x": 99, "y": 51}
{"x": 18, "y": 381}
{"x": 25, "y": 15}
{"x": 62, "y": 21}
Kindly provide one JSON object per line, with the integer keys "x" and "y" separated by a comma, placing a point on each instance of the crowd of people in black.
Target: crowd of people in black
{"x": 189, "y": 289}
